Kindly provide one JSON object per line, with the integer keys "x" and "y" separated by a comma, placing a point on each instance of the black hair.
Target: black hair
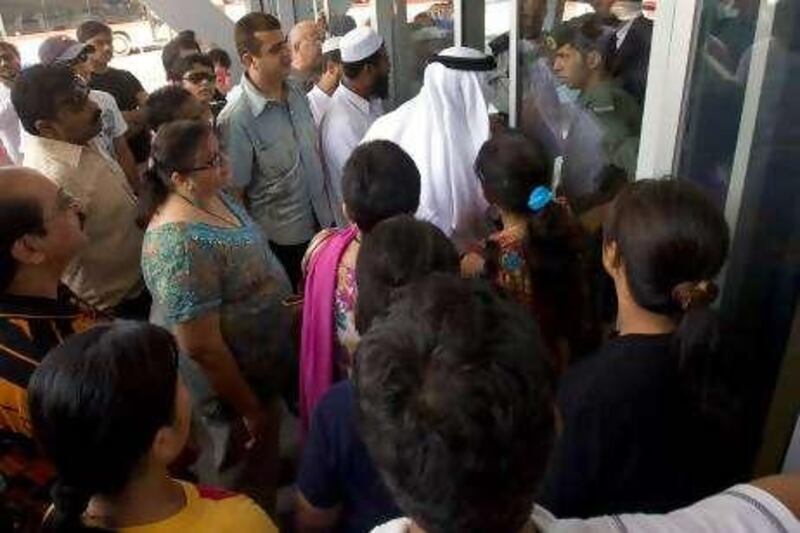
{"x": 185, "y": 40}
{"x": 245, "y": 29}
{"x": 511, "y": 167}
{"x": 455, "y": 405}
{"x": 352, "y": 70}
{"x": 673, "y": 241}
{"x": 96, "y": 403}
{"x": 174, "y": 149}
{"x": 184, "y": 64}
{"x": 164, "y": 105}
{"x": 334, "y": 56}
{"x": 220, "y": 57}
{"x": 379, "y": 180}
{"x": 395, "y": 253}
{"x": 588, "y": 33}
{"x": 90, "y": 29}
{"x": 19, "y": 216}
{"x": 37, "y": 90}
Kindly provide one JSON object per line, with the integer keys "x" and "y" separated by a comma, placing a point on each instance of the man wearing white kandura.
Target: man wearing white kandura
{"x": 442, "y": 129}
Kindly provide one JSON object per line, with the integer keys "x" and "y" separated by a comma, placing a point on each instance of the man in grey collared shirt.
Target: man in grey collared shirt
{"x": 272, "y": 142}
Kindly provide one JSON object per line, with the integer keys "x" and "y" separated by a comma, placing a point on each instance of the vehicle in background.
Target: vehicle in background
{"x": 27, "y": 23}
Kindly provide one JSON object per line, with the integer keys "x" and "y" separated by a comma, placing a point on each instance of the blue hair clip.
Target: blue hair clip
{"x": 540, "y": 198}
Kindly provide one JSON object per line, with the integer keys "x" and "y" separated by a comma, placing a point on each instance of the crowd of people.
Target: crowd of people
{"x": 212, "y": 292}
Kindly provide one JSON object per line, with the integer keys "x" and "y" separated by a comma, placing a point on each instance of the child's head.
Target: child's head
{"x": 395, "y": 253}
{"x": 510, "y": 166}
{"x": 379, "y": 180}
{"x": 455, "y": 406}
{"x": 106, "y": 406}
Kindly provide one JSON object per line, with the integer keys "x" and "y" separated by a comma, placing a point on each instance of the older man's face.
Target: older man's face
{"x": 9, "y": 63}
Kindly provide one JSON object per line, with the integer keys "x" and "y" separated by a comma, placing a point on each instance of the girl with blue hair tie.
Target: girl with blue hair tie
{"x": 537, "y": 258}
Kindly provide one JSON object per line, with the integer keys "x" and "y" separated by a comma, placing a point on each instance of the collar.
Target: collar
{"x": 35, "y": 306}
{"x": 600, "y": 97}
{"x": 255, "y": 98}
{"x": 63, "y": 152}
{"x": 357, "y": 100}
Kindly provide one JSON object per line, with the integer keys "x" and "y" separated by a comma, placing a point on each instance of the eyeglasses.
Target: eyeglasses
{"x": 199, "y": 77}
{"x": 64, "y": 202}
{"x": 216, "y": 162}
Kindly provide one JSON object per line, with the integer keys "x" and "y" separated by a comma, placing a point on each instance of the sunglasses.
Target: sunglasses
{"x": 199, "y": 77}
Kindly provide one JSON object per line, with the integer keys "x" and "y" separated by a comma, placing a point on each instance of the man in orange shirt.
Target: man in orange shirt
{"x": 41, "y": 230}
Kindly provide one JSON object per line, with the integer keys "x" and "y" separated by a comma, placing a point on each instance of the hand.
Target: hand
{"x": 472, "y": 265}
{"x": 258, "y": 426}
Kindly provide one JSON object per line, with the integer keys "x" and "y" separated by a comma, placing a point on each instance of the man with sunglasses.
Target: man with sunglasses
{"x": 195, "y": 73}
{"x": 9, "y": 122}
{"x": 62, "y": 50}
{"x": 55, "y": 109}
{"x": 273, "y": 145}
{"x": 41, "y": 231}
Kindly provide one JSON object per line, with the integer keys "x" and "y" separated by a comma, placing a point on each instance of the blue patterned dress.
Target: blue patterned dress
{"x": 193, "y": 269}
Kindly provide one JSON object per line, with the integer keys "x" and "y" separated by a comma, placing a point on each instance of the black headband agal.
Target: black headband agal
{"x": 483, "y": 64}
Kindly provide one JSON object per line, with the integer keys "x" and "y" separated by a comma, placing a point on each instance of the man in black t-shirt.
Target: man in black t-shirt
{"x": 123, "y": 85}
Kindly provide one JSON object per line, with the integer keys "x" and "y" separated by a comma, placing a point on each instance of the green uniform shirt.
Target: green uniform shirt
{"x": 619, "y": 116}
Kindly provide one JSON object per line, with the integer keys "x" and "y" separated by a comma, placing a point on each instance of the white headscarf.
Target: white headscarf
{"x": 442, "y": 129}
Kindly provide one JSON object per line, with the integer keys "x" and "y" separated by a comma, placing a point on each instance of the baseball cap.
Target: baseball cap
{"x": 60, "y": 49}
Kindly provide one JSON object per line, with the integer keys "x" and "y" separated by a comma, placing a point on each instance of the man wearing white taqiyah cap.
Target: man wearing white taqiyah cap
{"x": 355, "y": 105}
{"x": 442, "y": 129}
{"x": 319, "y": 97}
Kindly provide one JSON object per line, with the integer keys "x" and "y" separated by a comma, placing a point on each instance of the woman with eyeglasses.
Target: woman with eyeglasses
{"x": 220, "y": 290}
{"x": 196, "y": 74}
{"x": 111, "y": 413}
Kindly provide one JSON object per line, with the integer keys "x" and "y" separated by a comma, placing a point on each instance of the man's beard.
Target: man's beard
{"x": 381, "y": 87}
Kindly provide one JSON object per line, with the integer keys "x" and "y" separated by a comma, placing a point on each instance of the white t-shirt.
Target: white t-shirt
{"x": 114, "y": 124}
{"x": 320, "y": 102}
{"x": 741, "y": 509}
{"x": 9, "y": 126}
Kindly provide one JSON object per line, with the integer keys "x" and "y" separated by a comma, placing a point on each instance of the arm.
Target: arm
{"x": 785, "y": 488}
{"x": 201, "y": 339}
{"x": 319, "y": 483}
{"x": 239, "y": 148}
{"x": 127, "y": 162}
{"x": 310, "y": 519}
{"x": 137, "y": 118}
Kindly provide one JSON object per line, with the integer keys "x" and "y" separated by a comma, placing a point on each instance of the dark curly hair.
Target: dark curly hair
{"x": 455, "y": 406}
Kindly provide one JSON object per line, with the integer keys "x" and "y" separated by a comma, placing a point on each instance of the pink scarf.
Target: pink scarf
{"x": 317, "y": 340}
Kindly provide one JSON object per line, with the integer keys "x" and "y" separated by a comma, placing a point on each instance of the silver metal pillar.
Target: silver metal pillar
{"x": 514, "y": 89}
{"x": 470, "y": 23}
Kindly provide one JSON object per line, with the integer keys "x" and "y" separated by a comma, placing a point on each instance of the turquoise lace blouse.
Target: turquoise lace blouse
{"x": 193, "y": 269}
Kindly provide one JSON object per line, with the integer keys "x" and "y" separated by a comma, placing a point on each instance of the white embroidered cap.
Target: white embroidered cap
{"x": 359, "y": 44}
{"x": 331, "y": 44}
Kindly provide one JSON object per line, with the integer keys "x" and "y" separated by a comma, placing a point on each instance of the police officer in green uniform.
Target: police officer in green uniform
{"x": 603, "y": 137}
